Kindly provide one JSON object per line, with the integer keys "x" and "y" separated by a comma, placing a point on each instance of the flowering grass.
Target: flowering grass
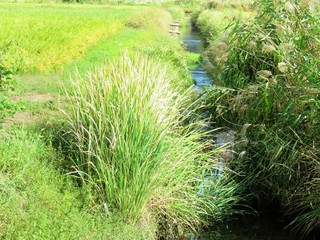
{"x": 133, "y": 147}
{"x": 270, "y": 78}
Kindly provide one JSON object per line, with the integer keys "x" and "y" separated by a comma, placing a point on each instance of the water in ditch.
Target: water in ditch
{"x": 266, "y": 226}
{"x": 194, "y": 44}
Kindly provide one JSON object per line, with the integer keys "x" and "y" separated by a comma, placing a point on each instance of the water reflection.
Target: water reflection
{"x": 193, "y": 43}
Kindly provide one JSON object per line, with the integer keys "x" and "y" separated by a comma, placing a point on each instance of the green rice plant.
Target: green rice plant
{"x": 146, "y": 31}
{"x": 44, "y": 38}
{"x": 134, "y": 149}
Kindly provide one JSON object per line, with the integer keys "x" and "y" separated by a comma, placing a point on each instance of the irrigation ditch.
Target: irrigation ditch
{"x": 263, "y": 226}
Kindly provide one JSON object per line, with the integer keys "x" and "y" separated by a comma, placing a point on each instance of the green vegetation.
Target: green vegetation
{"x": 45, "y": 39}
{"x": 130, "y": 155}
{"x": 212, "y": 23}
{"x": 133, "y": 148}
{"x": 38, "y": 202}
{"x": 268, "y": 71}
{"x": 135, "y": 154}
{"x": 5, "y": 76}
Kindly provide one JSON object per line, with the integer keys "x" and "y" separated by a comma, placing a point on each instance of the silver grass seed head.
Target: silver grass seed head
{"x": 289, "y": 7}
{"x": 264, "y": 73}
{"x": 268, "y": 48}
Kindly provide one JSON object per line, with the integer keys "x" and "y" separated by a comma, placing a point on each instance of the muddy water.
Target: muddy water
{"x": 264, "y": 227}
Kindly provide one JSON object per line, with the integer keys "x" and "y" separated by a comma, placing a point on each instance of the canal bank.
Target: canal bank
{"x": 252, "y": 225}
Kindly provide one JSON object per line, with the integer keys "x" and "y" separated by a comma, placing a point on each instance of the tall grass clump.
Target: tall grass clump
{"x": 134, "y": 149}
{"x": 214, "y": 27}
{"x": 212, "y": 23}
{"x": 270, "y": 94}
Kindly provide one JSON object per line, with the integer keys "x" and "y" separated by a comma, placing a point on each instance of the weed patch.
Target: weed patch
{"x": 270, "y": 79}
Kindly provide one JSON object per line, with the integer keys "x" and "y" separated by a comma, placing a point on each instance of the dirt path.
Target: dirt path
{"x": 31, "y": 97}
{"x": 28, "y": 116}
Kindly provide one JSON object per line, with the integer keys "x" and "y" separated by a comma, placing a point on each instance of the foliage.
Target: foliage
{"x": 171, "y": 52}
{"x": 178, "y": 14}
{"x": 271, "y": 95}
{"x": 244, "y": 4}
{"x": 212, "y": 23}
{"x": 39, "y": 202}
{"x": 5, "y": 76}
{"x": 214, "y": 27}
{"x": 150, "y": 18}
{"x": 167, "y": 161}
{"x": 207, "y": 25}
{"x": 133, "y": 147}
{"x": 8, "y": 108}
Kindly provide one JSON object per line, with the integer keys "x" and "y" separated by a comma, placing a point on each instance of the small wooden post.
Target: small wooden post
{"x": 175, "y": 28}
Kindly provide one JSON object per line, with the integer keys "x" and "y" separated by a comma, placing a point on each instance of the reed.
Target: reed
{"x": 271, "y": 83}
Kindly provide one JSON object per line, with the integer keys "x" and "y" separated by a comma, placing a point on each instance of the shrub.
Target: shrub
{"x": 206, "y": 23}
{"x": 212, "y": 23}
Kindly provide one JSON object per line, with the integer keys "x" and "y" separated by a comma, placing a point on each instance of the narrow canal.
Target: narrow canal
{"x": 194, "y": 44}
{"x": 262, "y": 227}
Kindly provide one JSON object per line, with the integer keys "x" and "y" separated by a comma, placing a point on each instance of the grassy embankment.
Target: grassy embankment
{"x": 39, "y": 43}
{"x": 267, "y": 76}
{"x": 140, "y": 163}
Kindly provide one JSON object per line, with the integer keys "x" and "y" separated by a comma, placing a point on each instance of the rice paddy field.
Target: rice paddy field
{"x": 103, "y": 135}
{"x": 44, "y": 39}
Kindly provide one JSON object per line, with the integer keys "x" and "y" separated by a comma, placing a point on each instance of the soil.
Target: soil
{"x": 33, "y": 98}
{"x": 19, "y": 118}
{"x": 26, "y": 117}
